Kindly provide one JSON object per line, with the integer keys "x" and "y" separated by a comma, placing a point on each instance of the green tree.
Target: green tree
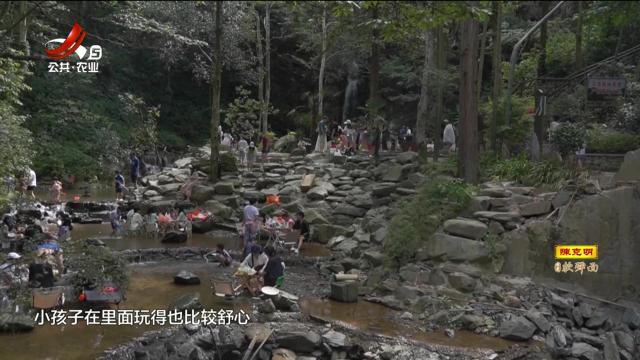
{"x": 16, "y": 148}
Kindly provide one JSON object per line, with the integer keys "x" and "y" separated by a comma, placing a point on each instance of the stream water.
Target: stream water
{"x": 378, "y": 319}
{"x": 151, "y": 287}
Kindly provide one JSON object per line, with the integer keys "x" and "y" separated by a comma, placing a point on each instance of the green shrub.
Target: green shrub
{"x": 568, "y": 138}
{"x": 611, "y": 142}
{"x": 228, "y": 162}
{"x": 416, "y": 220}
{"x": 522, "y": 171}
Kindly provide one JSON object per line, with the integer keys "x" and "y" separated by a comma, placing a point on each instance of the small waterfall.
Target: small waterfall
{"x": 350, "y": 92}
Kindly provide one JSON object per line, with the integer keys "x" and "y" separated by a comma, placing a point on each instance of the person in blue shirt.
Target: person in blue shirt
{"x": 119, "y": 184}
{"x": 134, "y": 162}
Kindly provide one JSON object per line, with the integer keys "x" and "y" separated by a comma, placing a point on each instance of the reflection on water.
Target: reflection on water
{"x": 229, "y": 240}
{"x": 151, "y": 288}
{"x": 103, "y": 231}
{"x": 378, "y": 319}
{"x": 96, "y": 192}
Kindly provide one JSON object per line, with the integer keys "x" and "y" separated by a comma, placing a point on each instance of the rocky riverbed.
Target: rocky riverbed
{"x": 472, "y": 278}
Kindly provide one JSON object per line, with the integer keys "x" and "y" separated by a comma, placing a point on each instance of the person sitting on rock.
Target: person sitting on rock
{"x": 223, "y": 256}
{"x": 274, "y": 268}
{"x": 302, "y": 225}
{"x": 257, "y": 260}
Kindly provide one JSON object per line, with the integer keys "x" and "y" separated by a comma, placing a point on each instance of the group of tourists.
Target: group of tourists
{"x": 150, "y": 224}
{"x": 254, "y": 223}
{"x": 372, "y": 136}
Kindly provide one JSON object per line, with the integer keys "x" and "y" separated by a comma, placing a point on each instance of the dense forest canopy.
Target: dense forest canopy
{"x": 287, "y": 64}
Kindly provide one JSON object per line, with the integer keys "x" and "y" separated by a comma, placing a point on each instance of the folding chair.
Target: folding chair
{"x": 224, "y": 288}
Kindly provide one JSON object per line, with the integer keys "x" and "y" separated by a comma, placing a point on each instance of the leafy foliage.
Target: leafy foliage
{"x": 145, "y": 118}
{"x": 15, "y": 140}
{"x": 568, "y": 138}
{"x": 415, "y": 222}
{"x": 521, "y": 170}
{"x": 242, "y": 115}
{"x": 611, "y": 142}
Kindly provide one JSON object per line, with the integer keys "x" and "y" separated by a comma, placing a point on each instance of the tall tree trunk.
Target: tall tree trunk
{"x": 374, "y": 61}
{"x": 214, "y": 173}
{"x": 579, "y": 60}
{"x": 323, "y": 60}
{"x": 440, "y": 68}
{"x": 260, "y": 69}
{"x": 267, "y": 53}
{"x": 423, "y": 104}
{"x": 483, "y": 44}
{"x": 538, "y": 122}
{"x": 468, "y": 150}
{"x": 496, "y": 20}
{"x": 22, "y": 33}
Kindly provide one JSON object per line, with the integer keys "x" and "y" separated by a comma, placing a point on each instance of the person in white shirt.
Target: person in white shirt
{"x": 242, "y": 151}
{"x": 31, "y": 184}
{"x": 257, "y": 260}
{"x": 449, "y": 137}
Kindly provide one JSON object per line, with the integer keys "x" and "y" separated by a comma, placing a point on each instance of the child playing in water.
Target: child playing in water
{"x": 56, "y": 190}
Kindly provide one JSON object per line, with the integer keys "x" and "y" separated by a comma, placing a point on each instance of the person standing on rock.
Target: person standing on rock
{"x": 321, "y": 142}
{"x": 251, "y": 155}
{"x": 31, "y": 182}
{"x": 449, "y": 137}
{"x": 274, "y": 268}
{"x": 119, "y": 185}
{"x": 303, "y": 226}
{"x": 265, "y": 146}
{"x": 56, "y": 190}
{"x": 242, "y": 151}
{"x": 134, "y": 163}
{"x": 251, "y": 225}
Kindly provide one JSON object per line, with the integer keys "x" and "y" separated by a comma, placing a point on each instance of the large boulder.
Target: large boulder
{"x": 253, "y": 195}
{"x": 322, "y": 233}
{"x": 502, "y": 217}
{"x": 16, "y": 322}
{"x": 202, "y": 193}
{"x": 535, "y": 208}
{"x": 334, "y": 338}
{"x": 537, "y": 318}
{"x": 462, "y": 282}
{"x": 218, "y": 209}
{"x": 174, "y": 237}
{"x": 517, "y": 328}
{"x": 349, "y": 210}
{"x": 297, "y": 338}
{"x": 204, "y": 226}
{"x": 186, "y": 278}
{"x": 184, "y": 162}
{"x": 286, "y": 143}
{"x": 224, "y": 188}
{"x": 317, "y": 193}
{"x": 630, "y": 168}
{"x": 585, "y": 351}
{"x": 169, "y": 188}
{"x": 454, "y": 248}
{"x": 406, "y": 157}
{"x": 393, "y": 174}
{"x": 471, "y": 229}
{"x": 383, "y": 189}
